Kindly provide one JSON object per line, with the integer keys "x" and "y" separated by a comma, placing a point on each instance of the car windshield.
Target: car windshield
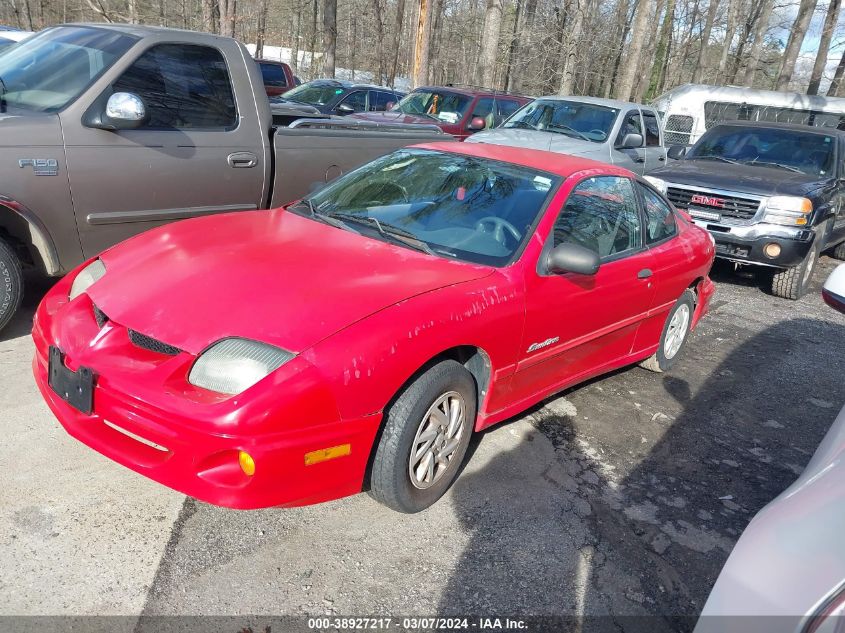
{"x": 788, "y": 150}
{"x": 572, "y": 118}
{"x": 313, "y": 94}
{"x": 455, "y": 206}
{"x": 448, "y": 107}
{"x": 49, "y": 70}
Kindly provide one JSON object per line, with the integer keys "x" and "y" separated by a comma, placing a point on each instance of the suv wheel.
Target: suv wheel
{"x": 425, "y": 438}
{"x": 11, "y": 284}
{"x": 674, "y": 336}
{"x": 838, "y": 251}
{"x": 793, "y": 283}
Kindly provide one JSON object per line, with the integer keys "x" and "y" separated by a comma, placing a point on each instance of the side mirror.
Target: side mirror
{"x": 477, "y": 123}
{"x": 631, "y": 141}
{"x": 833, "y": 291}
{"x": 572, "y": 258}
{"x": 123, "y": 111}
{"x": 677, "y": 152}
{"x": 344, "y": 108}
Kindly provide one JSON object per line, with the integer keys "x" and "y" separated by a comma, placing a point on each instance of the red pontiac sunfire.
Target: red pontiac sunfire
{"x": 285, "y": 357}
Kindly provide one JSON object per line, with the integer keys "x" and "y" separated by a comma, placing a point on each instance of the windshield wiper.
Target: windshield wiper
{"x": 779, "y": 165}
{"x": 320, "y": 216}
{"x": 388, "y": 230}
{"x": 566, "y": 129}
{"x": 720, "y": 158}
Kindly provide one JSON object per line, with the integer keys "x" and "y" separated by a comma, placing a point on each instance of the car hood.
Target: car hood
{"x": 764, "y": 181}
{"x": 30, "y": 130}
{"x": 271, "y": 276}
{"x": 536, "y": 139}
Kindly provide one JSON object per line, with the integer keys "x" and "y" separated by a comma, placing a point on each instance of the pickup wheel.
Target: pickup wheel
{"x": 674, "y": 336}
{"x": 425, "y": 438}
{"x": 794, "y": 282}
{"x": 11, "y": 284}
{"x": 838, "y": 251}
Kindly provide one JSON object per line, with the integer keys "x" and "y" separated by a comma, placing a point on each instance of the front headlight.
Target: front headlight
{"x": 788, "y": 210}
{"x": 86, "y": 278}
{"x": 657, "y": 183}
{"x": 235, "y": 364}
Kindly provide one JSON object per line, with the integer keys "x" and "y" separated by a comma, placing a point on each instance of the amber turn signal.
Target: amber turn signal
{"x": 247, "y": 463}
{"x": 325, "y": 454}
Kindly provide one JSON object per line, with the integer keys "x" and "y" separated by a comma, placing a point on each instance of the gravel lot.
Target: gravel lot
{"x": 623, "y": 496}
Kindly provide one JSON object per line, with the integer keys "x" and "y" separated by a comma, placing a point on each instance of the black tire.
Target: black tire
{"x": 11, "y": 284}
{"x": 390, "y": 479}
{"x": 658, "y": 362}
{"x": 794, "y": 282}
{"x": 838, "y": 251}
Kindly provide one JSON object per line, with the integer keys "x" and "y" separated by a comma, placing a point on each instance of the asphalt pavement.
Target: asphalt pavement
{"x": 622, "y": 496}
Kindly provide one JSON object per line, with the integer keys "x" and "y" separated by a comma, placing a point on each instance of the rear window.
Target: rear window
{"x": 273, "y": 75}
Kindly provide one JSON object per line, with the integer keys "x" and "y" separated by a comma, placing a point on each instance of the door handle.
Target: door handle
{"x": 645, "y": 273}
{"x": 639, "y": 159}
{"x": 242, "y": 159}
{"x": 661, "y": 158}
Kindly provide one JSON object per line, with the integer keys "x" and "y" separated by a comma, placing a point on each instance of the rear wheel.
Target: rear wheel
{"x": 793, "y": 283}
{"x": 11, "y": 284}
{"x": 674, "y": 335}
{"x": 425, "y": 438}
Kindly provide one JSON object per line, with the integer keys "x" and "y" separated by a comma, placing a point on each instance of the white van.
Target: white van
{"x": 689, "y": 111}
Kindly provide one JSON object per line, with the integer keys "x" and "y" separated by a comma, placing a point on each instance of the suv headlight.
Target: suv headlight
{"x": 235, "y": 364}
{"x": 788, "y": 210}
{"x": 657, "y": 183}
{"x": 86, "y": 278}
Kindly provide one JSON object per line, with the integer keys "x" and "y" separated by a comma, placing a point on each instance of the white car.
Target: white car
{"x": 9, "y": 36}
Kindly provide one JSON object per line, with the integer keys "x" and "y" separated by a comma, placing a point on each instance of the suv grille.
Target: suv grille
{"x": 728, "y": 206}
{"x": 147, "y": 342}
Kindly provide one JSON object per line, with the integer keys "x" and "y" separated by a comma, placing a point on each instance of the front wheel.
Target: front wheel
{"x": 793, "y": 283}
{"x": 11, "y": 284}
{"x": 425, "y": 438}
{"x": 675, "y": 333}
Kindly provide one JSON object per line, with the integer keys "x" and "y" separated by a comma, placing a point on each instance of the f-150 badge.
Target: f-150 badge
{"x": 41, "y": 166}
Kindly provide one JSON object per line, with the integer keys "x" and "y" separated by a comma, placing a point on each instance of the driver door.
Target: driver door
{"x": 576, "y": 325}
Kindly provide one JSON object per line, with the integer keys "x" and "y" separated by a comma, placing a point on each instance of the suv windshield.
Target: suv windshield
{"x": 313, "y": 94}
{"x": 49, "y": 70}
{"x": 448, "y": 107}
{"x": 789, "y": 150}
{"x": 578, "y": 120}
{"x": 467, "y": 208}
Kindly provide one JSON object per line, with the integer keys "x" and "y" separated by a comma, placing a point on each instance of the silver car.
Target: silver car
{"x": 616, "y": 132}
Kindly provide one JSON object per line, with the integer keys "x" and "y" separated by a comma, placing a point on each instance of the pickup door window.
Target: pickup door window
{"x": 630, "y": 158}
{"x": 576, "y": 324}
{"x": 195, "y": 155}
{"x": 655, "y": 153}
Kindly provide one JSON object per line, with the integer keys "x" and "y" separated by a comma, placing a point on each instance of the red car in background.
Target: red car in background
{"x": 278, "y": 77}
{"x": 457, "y": 111}
{"x": 286, "y": 357}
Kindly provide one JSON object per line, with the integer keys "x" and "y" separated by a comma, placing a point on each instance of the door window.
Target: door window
{"x": 356, "y": 100}
{"x": 601, "y": 214}
{"x": 380, "y": 100}
{"x": 484, "y": 109}
{"x": 507, "y": 107}
{"x": 652, "y": 129}
{"x": 183, "y": 87}
{"x": 273, "y": 75}
{"x": 631, "y": 125}
{"x": 660, "y": 220}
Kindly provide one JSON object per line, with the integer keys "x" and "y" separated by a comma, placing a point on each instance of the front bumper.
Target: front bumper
{"x": 193, "y": 448}
{"x": 745, "y": 244}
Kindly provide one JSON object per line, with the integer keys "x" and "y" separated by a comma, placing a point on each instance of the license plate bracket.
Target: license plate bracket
{"x": 74, "y": 387}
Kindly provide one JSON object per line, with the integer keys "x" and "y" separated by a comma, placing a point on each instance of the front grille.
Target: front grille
{"x": 735, "y": 207}
{"x": 101, "y": 317}
{"x": 149, "y": 343}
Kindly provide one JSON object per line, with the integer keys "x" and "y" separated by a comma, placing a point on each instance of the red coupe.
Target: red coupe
{"x": 357, "y": 338}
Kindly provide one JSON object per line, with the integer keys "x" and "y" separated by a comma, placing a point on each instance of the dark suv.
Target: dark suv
{"x": 457, "y": 111}
{"x": 770, "y": 194}
{"x": 332, "y": 96}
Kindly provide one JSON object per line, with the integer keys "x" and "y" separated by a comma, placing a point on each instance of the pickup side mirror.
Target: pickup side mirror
{"x": 477, "y": 123}
{"x": 572, "y": 258}
{"x": 123, "y": 111}
{"x": 344, "y": 108}
{"x": 677, "y": 152}
{"x": 631, "y": 141}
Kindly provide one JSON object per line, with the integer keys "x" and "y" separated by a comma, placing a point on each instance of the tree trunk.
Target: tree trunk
{"x": 490, "y": 32}
{"x": 435, "y": 40}
{"x": 568, "y": 49}
{"x": 421, "y": 47}
{"x": 622, "y": 11}
{"x": 133, "y": 11}
{"x": 208, "y": 23}
{"x": 513, "y": 47}
{"x": 793, "y": 45}
{"x": 379, "y": 18}
{"x": 824, "y": 46}
{"x": 661, "y": 55}
{"x": 262, "y": 28}
{"x": 313, "y": 67}
{"x": 329, "y": 37}
{"x": 730, "y": 31}
{"x": 397, "y": 40}
{"x": 760, "y": 30}
{"x": 705, "y": 40}
{"x": 297, "y": 34}
{"x": 635, "y": 49}
{"x": 836, "y": 83}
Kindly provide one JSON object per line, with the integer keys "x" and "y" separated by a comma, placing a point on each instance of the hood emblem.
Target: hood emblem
{"x": 549, "y": 341}
{"x": 41, "y": 166}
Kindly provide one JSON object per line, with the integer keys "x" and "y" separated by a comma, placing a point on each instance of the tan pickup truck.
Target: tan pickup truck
{"x": 109, "y": 130}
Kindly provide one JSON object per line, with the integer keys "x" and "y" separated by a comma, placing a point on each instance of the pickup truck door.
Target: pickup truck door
{"x": 655, "y": 151}
{"x": 630, "y": 158}
{"x": 201, "y": 151}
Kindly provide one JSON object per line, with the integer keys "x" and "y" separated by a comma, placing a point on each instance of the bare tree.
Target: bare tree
{"x": 836, "y": 84}
{"x": 705, "y": 40}
{"x": 824, "y": 46}
{"x": 397, "y": 40}
{"x": 421, "y": 48}
{"x": 490, "y": 32}
{"x": 329, "y": 36}
{"x": 261, "y": 32}
{"x": 796, "y": 39}
{"x": 638, "y": 34}
{"x": 760, "y": 29}
{"x": 571, "y": 38}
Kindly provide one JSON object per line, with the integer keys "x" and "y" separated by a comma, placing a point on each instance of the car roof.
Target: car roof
{"x": 550, "y": 162}
{"x": 599, "y": 101}
{"x": 794, "y": 127}
{"x": 349, "y": 85}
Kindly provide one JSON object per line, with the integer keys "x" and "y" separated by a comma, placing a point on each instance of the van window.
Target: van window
{"x": 716, "y": 112}
{"x": 677, "y": 129}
